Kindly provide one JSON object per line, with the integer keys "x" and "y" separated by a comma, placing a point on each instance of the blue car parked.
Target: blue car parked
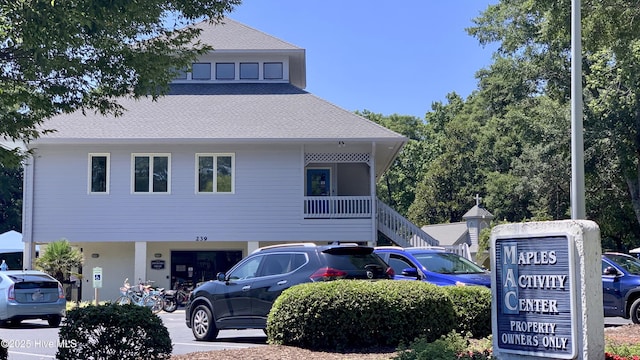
{"x": 621, "y": 286}
{"x": 434, "y": 265}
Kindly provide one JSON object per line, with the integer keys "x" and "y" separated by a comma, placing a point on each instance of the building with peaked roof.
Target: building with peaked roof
{"x": 466, "y": 232}
{"x": 237, "y": 156}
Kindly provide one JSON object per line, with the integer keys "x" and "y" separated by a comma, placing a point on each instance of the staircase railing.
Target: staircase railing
{"x": 400, "y": 230}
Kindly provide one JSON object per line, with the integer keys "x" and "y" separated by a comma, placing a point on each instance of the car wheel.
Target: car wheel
{"x": 635, "y": 311}
{"x": 202, "y": 324}
{"x": 54, "y": 320}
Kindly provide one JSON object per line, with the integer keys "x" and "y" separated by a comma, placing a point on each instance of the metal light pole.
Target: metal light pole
{"x": 577, "y": 144}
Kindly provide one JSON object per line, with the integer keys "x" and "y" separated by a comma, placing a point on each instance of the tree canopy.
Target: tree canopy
{"x": 63, "y": 56}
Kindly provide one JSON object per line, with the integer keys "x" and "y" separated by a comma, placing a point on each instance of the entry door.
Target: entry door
{"x": 319, "y": 182}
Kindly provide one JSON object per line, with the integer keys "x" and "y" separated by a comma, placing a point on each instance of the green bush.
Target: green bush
{"x": 447, "y": 347}
{"x": 113, "y": 332}
{"x": 472, "y": 305}
{"x": 348, "y": 314}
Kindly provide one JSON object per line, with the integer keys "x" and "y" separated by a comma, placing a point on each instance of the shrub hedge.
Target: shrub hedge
{"x": 113, "y": 332}
{"x": 472, "y": 306}
{"x": 348, "y": 314}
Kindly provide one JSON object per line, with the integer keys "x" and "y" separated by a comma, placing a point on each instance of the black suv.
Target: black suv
{"x": 242, "y": 298}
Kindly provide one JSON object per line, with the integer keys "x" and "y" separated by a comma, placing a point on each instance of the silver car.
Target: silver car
{"x": 30, "y": 294}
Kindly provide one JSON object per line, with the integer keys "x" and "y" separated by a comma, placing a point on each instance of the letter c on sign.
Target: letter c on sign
{"x": 507, "y": 300}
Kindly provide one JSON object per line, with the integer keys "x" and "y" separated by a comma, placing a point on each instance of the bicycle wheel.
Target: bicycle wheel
{"x": 154, "y": 302}
{"x": 123, "y": 300}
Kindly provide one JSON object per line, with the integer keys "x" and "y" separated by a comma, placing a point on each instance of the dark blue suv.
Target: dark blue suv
{"x": 621, "y": 286}
{"x": 434, "y": 265}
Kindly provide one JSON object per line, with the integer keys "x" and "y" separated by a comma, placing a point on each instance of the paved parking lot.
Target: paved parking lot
{"x": 34, "y": 340}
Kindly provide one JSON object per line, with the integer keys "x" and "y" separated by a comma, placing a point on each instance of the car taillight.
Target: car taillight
{"x": 11, "y": 294}
{"x": 327, "y": 273}
{"x": 390, "y": 272}
{"x": 60, "y": 292}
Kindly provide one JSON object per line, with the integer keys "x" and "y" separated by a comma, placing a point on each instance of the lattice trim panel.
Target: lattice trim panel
{"x": 337, "y": 158}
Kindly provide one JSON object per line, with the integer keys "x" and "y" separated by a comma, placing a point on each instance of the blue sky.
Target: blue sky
{"x": 383, "y": 56}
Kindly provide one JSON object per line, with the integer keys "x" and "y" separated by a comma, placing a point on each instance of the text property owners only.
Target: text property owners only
{"x": 534, "y": 296}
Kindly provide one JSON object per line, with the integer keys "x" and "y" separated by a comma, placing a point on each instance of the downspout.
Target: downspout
{"x": 27, "y": 212}
{"x": 374, "y": 205}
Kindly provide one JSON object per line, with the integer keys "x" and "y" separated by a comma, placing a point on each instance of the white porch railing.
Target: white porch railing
{"x": 332, "y": 207}
{"x": 400, "y": 230}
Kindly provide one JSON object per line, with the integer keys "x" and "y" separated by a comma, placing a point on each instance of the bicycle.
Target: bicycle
{"x": 144, "y": 295}
{"x": 182, "y": 292}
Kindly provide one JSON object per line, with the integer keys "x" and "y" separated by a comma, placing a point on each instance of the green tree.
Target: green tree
{"x": 452, "y": 174}
{"x": 10, "y": 191}
{"x": 397, "y": 185}
{"x": 60, "y": 260}
{"x": 64, "y": 56}
{"x": 533, "y": 60}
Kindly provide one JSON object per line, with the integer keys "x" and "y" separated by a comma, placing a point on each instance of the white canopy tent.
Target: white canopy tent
{"x": 11, "y": 241}
{"x": 635, "y": 251}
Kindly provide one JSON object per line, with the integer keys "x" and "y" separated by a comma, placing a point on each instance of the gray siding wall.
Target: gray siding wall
{"x": 266, "y": 206}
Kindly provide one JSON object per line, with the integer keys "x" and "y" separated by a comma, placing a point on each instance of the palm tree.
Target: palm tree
{"x": 59, "y": 259}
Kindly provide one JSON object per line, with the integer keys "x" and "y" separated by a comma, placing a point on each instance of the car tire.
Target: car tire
{"x": 635, "y": 311}
{"x": 202, "y": 324}
{"x": 54, "y": 320}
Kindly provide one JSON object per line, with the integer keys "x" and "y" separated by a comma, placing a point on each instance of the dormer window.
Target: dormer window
{"x": 272, "y": 70}
{"x": 225, "y": 71}
{"x": 201, "y": 71}
{"x": 249, "y": 71}
{"x": 228, "y": 71}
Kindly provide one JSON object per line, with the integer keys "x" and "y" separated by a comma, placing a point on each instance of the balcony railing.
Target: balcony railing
{"x": 337, "y": 207}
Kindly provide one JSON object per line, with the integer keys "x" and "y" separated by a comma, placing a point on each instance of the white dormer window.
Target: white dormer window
{"x": 249, "y": 71}
{"x": 201, "y": 71}
{"x": 225, "y": 71}
{"x": 272, "y": 70}
{"x": 236, "y": 71}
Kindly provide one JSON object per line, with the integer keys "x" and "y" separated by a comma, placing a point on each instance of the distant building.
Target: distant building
{"x": 464, "y": 232}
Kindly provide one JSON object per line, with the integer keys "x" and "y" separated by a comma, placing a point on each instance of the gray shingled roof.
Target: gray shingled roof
{"x": 478, "y": 212}
{"x": 232, "y": 35}
{"x": 238, "y": 112}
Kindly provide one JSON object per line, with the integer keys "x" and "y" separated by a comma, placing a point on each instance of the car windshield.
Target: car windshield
{"x": 629, "y": 263}
{"x": 447, "y": 263}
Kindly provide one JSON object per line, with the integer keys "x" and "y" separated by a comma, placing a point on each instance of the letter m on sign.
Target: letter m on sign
{"x": 509, "y": 276}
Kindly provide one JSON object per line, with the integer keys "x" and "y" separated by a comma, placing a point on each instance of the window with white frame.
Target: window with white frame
{"x": 225, "y": 71}
{"x": 201, "y": 71}
{"x": 273, "y": 70}
{"x": 151, "y": 173}
{"x": 99, "y": 173}
{"x": 215, "y": 173}
{"x": 249, "y": 71}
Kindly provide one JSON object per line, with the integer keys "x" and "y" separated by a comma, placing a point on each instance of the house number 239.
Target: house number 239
{"x": 201, "y": 238}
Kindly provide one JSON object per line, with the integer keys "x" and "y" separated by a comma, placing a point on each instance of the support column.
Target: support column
{"x": 29, "y": 252}
{"x": 374, "y": 204}
{"x": 140, "y": 262}
{"x": 252, "y": 246}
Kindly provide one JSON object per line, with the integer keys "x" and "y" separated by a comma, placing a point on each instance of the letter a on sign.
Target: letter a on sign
{"x": 509, "y": 274}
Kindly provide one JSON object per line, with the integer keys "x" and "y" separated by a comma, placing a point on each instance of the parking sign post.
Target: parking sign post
{"x": 97, "y": 281}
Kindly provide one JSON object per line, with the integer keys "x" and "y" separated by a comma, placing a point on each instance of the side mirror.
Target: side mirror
{"x": 413, "y": 272}
{"x": 610, "y": 270}
{"x": 221, "y": 276}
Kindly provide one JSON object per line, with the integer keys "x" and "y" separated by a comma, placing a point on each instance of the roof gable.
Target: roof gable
{"x": 232, "y": 35}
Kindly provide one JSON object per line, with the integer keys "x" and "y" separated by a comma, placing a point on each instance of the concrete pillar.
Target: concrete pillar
{"x": 140, "y": 263}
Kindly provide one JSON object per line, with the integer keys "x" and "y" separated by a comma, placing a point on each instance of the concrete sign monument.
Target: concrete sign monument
{"x": 547, "y": 298}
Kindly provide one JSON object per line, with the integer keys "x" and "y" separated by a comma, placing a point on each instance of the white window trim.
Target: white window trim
{"x": 90, "y": 174}
{"x": 215, "y": 178}
{"x": 133, "y": 173}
